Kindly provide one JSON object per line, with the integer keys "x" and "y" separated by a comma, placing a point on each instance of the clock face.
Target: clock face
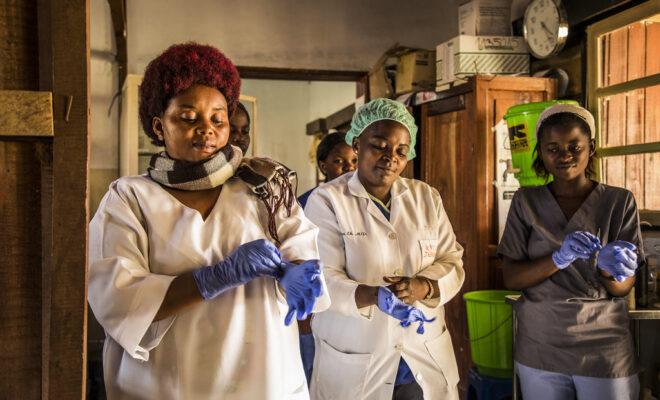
{"x": 545, "y": 27}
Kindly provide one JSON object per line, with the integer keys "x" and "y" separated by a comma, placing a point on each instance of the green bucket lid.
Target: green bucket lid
{"x": 534, "y": 108}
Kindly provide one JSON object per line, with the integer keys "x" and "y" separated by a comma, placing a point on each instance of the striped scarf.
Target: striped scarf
{"x": 273, "y": 183}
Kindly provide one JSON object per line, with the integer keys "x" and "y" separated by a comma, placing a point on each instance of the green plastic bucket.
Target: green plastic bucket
{"x": 521, "y": 120}
{"x": 490, "y": 326}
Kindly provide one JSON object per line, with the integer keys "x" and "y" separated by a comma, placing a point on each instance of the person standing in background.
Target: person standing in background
{"x": 334, "y": 158}
{"x": 239, "y": 128}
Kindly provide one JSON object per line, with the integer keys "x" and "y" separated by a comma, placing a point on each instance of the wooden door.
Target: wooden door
{"x": 44, "y": 124}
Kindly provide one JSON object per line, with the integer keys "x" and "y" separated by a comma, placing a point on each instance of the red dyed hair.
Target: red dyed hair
{"x": 178, "y": 68}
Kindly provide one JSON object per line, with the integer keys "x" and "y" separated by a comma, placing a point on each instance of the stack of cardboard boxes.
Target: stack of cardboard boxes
{"x": 484, "y": 46}
{"x": 402, "y": 70}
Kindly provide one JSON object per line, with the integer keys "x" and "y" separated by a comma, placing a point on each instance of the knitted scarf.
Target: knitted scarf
{"x": 273, "y": 183}
{"x": 202, "y": 175}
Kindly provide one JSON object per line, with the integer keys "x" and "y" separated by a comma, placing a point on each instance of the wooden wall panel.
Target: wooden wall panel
{"x": 652, "y": 134}
{"x": 19, "y": 55}
{"x": 618, "y": 57}
{"x": 636, "y": 51}
{"x": 630, "y": 118}
{"x": 20, "y": 275}
{"x": 20, "y": 215}
{"x": 26, "y": 113}
{"x": 653, "y": 48}
{"x": 634, "y": 133}
{"x": 605, "y": 46}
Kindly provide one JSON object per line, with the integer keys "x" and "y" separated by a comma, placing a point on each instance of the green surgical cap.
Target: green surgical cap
{"x": 382, "y": 109}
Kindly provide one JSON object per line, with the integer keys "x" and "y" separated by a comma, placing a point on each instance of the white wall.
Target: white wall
{"x": 333, "y": 35}
{"x": 104, "y": 146}
{"x": 283, "y": 110}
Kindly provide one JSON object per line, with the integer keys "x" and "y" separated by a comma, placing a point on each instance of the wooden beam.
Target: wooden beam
{"x": 317, "y": 126}
{"x": 68, "y": 278}
{"x": 26, "y": 113}
{"x": 291, "y": 74}
{"x": 341, "y": 117}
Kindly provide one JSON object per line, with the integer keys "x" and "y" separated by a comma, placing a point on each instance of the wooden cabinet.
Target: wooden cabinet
{"x": 457, "y": 157}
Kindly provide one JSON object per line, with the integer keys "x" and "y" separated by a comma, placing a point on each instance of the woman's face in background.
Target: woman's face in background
{"x": 239, "y": 135}
{"x": 195, "y": 124}
{"x": 340, "y": 160}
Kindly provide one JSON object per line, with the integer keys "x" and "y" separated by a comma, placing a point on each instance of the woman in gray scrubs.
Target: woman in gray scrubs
{"x": 570, "y": 246}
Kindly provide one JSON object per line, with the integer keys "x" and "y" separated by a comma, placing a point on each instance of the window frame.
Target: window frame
{"x": 644, "y": 11}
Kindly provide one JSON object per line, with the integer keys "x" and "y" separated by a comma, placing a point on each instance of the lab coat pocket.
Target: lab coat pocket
{"x": 339, "y": 375}
{"x": 428, "y": 249}
{"x": 442, "y": 352}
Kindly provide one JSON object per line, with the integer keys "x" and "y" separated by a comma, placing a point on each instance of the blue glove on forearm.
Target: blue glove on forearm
{"x": 302, "y": 284}
{"x": 246, "y": 262}
{"x": 394, "y": 307}
{"x": 619, "y": 259}
{"x": 576, "y": 245}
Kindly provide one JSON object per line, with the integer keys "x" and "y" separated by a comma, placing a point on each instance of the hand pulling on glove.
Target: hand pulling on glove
{"x": 576, "y": 245}
{"x": 302, "y": 284}
{"x": 392, "y": 306}
{"x": 619, "y": 259}
{"x": 248, "y": 261}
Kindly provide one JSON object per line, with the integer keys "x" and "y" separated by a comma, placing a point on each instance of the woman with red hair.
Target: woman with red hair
{"x": 197, "y": 269}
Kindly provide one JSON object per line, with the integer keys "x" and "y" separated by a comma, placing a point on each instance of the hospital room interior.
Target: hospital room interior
{"x": 352, "y": 200}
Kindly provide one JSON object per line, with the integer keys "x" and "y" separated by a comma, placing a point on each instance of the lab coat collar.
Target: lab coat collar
{"x": 355, "y": 187}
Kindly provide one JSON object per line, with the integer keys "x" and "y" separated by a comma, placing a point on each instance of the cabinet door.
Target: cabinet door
{"x": 442, "y": 157}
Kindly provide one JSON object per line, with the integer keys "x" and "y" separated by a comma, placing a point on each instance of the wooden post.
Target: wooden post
{"x": 68, "y": 307}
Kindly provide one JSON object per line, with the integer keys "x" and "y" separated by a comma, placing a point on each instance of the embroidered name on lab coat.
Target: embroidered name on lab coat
{"x": 349, "y": 233}
{"x": 428, "y": 248}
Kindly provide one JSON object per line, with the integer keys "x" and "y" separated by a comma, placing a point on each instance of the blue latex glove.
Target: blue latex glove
{"x": 302, "y": 284}
{"x": 392, "y": 306}
{"x": 248, "y": 261}
{"x": 576, "y": 245}
{"x": 619, "y": 259}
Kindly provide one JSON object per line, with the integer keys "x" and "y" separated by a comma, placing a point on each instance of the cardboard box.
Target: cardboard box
{"x": 467, "y": 55}
{"x": 415, "y": 72}
{"x": 485, "y": 17}
{"x": 383, "y": 72}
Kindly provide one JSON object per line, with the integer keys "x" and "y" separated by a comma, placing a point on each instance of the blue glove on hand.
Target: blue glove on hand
{"x": 619, "y": 259}
{"x": 576, "y": 245}
{"x": 248, "y": 261}
{"x": 392, "y": 306}
{"x": 302, "y": 284}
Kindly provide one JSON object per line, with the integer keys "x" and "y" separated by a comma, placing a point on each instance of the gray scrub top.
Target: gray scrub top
{"x": 569, "y": 323}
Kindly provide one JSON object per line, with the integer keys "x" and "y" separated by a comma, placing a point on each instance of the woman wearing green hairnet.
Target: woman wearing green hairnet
{"x": 391, "y": 262}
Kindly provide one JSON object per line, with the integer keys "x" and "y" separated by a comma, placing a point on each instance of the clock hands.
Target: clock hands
{"x": 545, "y": 28}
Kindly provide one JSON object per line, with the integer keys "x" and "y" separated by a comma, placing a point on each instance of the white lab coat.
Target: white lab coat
{"x": 358, "y": 350}
{"x": 232, "y": 347}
